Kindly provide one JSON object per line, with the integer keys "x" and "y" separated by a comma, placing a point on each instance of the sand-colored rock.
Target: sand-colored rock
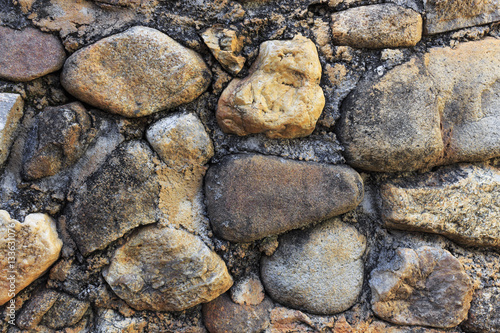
{"x": 29, "y": 54}
{"x": 319, "y": 270}
{"x": 226, "y": 46}
{"x": 460, "y": 202}
{"x": 248, "y": 291}
{"x": 29, "y": 249}
{"x": 377, "y": 26}
{"x": 254, "y": 196}
{"x": 281, "y": 97}
{"x": 135, "y": 73}
{"x": 164, "y": 269}
{"x": 427, "y": 287}
{"x": 11, "y": 112}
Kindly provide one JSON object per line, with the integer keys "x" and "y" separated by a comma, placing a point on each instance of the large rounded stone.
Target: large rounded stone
{"x": 135, "y": 73}
{"x": 319, "y": 270}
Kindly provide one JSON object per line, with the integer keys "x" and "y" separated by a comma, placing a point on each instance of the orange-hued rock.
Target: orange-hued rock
{"x": 281, "y": 97}
{"x": 226, "y": 46}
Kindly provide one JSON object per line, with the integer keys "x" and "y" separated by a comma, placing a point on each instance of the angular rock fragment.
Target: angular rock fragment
{"x": 28, "y": 54}
{"x": 319, "y": 270}
{"x": 254, "y": 196}
{"x": 121, "y": 195}
{"x": 28, "y": 249}
{"x": 164, "y": 269}
{"x": 226, "y": 46}
{"x": 483, "y": 314}
{"x": 11, "y": 112}
{"x": 427, "y": 286}
{"x": 281, "y": 97}
{"x": 446, "y": 15}
{"x": 33, "y": 312}
{"x": 460, "y": 202}
{"x": 58, "y": 138}
{"x": 66, "y": 311}
{"x": 377, "y": 26}
{"x": 135, "y": 73}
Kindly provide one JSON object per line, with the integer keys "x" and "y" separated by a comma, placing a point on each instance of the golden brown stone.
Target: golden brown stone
{"x": 226, "y": 46}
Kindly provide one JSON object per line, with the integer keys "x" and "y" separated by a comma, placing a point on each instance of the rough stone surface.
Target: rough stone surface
{"x": 11, "y": 111}
{"x": 66, "y": 311}
{"x": 29, "y": 54}
{"x": 33, "y": 312}
{"x": 427, "y": 286}
{"x": 459, "y": 202}
{"x": 446, "y": 15}
{"x": 319, "y": 270}
{"x": 35, "y": 245}
{"x": 57, "y": 139}
{"x": 224, "y": 316}
{"x": 226, "y": 46}
{"x": 377, "y": 26}
{"x": 164, "y": 269}
{"x": 121, "y": 195}
{"x": 248, "y": 291}
{"x": 483, "y": 314}
{"x": 110, "y": 321}
{"x": 253, "y": 196}
{"x": 281, "y": 97}
{"x": 135, "y": 73}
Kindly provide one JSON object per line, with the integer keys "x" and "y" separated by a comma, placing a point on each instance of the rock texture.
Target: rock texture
{"x": 28, "y": 248}
{"x": 110, "y": 321}
{"x": 281, "y": 97}
{"x": 253, "y": 196}
{"x": 135, "y": 73}
{"x": 164, "y": 269}
{"x": 319, "y": 270}
{"x": 483, "y": 313}
{"x": 427, "y": 287}
{"x": 121, "y": 195}
{"x": 29, "y": 54}
{"x": 33, "y": 312}
{"x": 248, "y": 291}
{"x": 462, "y": 203}
{"x": 446, "y": 15}
{"x": 11, "y": 112}
{"x": 377, "y": 26}
{"x": 66, "y": 311}
{"x": 57, "y": 139}
{"x": 226, "y": 46}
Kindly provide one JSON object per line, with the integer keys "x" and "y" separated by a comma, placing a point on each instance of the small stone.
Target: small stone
{"x": 111, "y": 4}
{"x": 11, "y": 112}
{"x": 33, "y": 312}
{"x": 164, "y": 269}
{"x": 377, "y": 26}
{"x": 254, "y": 196}
{"x": 135, "y": 73}
{"x": 57, "y": 139}
{"x": 110, "y": 321}
{"x": 447, "y": 15}
{"x": 281, "y": 97}
{"x": 319, "y": 270}
{"x": 66, "y": 311}
{"x": 29, "y": 54}
{"x": 427, "y": 287}
{"x": 121, "y": 195}
{"x": 460, "y": 202}
{"x": 248, "y": 291}
{"x": 226, "y": 46}
{"x": 35, "y": 246}
{"x": 483, "y": 314}
{"x": 223, "y": 316}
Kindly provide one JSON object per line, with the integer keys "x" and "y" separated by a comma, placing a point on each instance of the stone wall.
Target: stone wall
{"x": 250, "y": 166}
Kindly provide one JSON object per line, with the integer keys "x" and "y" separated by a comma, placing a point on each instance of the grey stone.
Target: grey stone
{"x": 11, "y": 112}
{"x": 32, "y": 313}
{"x": 66, "y": 311}
{"x": 483, "y": 314}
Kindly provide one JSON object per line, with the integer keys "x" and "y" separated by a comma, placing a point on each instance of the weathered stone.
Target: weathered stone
{"x": 11, "y": 111}
{"x": 164, "y": 269}
{"x": 57, "y": 139}
{"x": 28, "y": 54}
{"x": 66, "y": 311}
{"x": 377, "y": 26}
{"x": 223, "y": 316}
{"x": 248, "y": 291}
{"x": 446, "y": 15}
{"x": 281, "y": 97}
{"x": 483, "y": 314}
{"x": 135, "y": 73}
{"x": 110, "y": 321}
{"x": 33, "y": 312}
{"x": 459, "y": 202}
{"x": 427, "y": 286}
{"x": 253, "y": 196}
{"x": 319, "y": 270}
{"x": 28, "y": 250}
{"x": 226, "y": 46}
{"x": 108, "y": 4}
{"x": 121, "y": 195}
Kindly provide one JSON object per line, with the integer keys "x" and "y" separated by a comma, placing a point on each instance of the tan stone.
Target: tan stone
{"x": 110, "y": 321}
{"x": 427, "y": 287}
{"x": 163, "y": 269}
{"x": 11, "y": 112}
{"x": 135, "y": 73}
{"x": 35, "y": 245}
{"x": 377, "y": 26}
{"x": 226, "y": 46}
{"x": 248, "y": 291}
{"x": 281, "y": 97}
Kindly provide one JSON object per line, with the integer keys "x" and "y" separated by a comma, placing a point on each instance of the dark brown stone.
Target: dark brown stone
{"x": 66, "y": 311}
